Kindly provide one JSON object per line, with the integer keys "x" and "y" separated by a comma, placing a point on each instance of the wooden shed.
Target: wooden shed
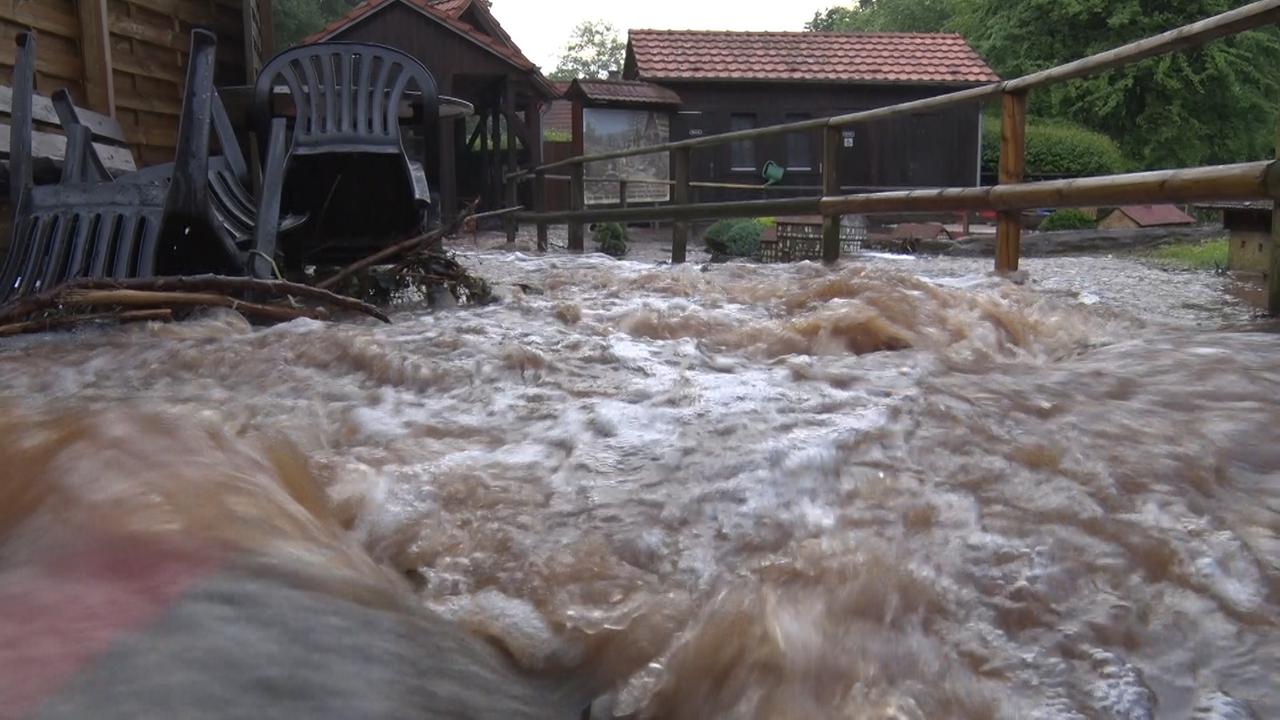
{"x": 474, "y": 59}
{"x": 1248, "y": 222}
{"x": 127, "y": 58}
{"x": 739, "y": 80}
{"x": 1133, "y": 217}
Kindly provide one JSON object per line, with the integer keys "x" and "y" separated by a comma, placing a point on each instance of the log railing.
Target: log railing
{"x": 1248, "y": 181}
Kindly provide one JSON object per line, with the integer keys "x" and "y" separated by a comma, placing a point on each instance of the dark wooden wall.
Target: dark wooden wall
{"x": 462, "y": 69}
{"x": 146, "y": 42}
{"x": 938, "y": 149}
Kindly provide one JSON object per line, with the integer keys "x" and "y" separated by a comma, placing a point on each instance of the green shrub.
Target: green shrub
{"x": 1057, "y": 148}
{"x": 1068, "y": 219}
{"x": 610, "y": 239}
{"x": 738, "y": 237}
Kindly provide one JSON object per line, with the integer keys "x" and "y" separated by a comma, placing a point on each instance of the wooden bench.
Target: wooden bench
{"x": 49, "y": 146}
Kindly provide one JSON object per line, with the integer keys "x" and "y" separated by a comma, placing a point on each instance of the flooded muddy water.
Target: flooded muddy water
{"x": 899, "y": 488}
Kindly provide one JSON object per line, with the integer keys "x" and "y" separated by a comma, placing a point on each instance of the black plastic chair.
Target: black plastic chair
{"x": 189, "y": 216}
{"x": 346, "y": 100}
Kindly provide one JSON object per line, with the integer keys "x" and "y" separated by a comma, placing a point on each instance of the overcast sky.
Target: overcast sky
{"x": 541, "y": 28}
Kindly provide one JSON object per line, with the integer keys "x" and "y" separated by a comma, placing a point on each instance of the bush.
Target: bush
{"x": 739, "y": 237}
{"x": 1068, "y": 220}
{"x": 1056, "y": 148}
{"x": 610, "y": 239}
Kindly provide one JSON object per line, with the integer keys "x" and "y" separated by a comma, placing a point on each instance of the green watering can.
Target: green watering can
{"x": 772, "y": 173}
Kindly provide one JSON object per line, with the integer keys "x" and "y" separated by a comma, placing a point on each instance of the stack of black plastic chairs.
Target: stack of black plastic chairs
{"x": 199, "y": 214}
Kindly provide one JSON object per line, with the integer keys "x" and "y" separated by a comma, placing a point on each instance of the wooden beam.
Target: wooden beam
{"x": 680, "y": 230}
{"x": 577, "y": 202}
{"x": 540, "y": 207}
{"x": 495, "y": 144}
{"x": 1245, "y": 181}
{"x": 1013, "y": 155}
{"x": 508, "y": 99}
{"x": 1273, "y": 269}
{"x": 831, "y": 139}
{"x": 693, "y": 211}
{"x": 95, "y": 50}
{"x": 266, "y": 29}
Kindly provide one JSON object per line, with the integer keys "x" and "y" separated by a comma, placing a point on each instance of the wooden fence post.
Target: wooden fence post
{"x": 95, "y": 51}
{"x": 680, "y": 196}
{"x": 831, "y": 138}
{"x": 540, "y": 206}
{"x": 1273, "y": 272}
{"x": 1013, "y": 154}
{"x": 576, "y": 202}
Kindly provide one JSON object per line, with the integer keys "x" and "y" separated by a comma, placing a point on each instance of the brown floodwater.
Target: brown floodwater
{"x": 899, "y": 488}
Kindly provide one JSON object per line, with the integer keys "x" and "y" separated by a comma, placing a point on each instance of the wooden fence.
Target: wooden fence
{"x": 1010, "y": 197}
{"x": 127, "y": 58}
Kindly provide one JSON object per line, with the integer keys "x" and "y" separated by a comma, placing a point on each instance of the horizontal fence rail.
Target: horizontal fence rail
{"x": 1248, "y": 181}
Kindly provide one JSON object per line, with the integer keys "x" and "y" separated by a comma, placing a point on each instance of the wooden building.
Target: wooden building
{"x": 614, "y": 114}
{"x": 127, "y": 58}
{"x": 1248, "y": 224}
{"x": 1135, "y": 217}
{"x": 738, "y": 80}
{"x": 474, "y": 59}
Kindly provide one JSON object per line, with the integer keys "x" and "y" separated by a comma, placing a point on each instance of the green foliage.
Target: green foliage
{"x": 1207, "y": 255}
{"x": 1211, "y": 105}
{"x": 594, "y": 50}
{"x": 610, "y": 239}
{"x": 884, "y": 16}
{"x": 293, "y": 20}
{"x": 1067, "y": 219}
{"x": 1057, "y": 148}
{"x": 557, "y": 136}
{"x": 738, "y": 237}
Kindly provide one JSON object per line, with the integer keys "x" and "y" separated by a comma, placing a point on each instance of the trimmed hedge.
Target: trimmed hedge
{"x": 1067, "y": 219}
{"x": 610, "y": 239}
{"x": 1056, "y": 148}
{"x": 737, "y": 237}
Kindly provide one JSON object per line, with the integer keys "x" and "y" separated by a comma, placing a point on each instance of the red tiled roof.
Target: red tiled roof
{"x": 1156, "y": 215}
{"x": 445, "y": 12}
{"x": 633, "y": 92}
{"x": 453, "y": 7}
{"x": 800, "y": 56}
{"x": 559, "y": 117}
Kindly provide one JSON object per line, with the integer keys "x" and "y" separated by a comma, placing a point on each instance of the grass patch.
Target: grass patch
{"x": 1207, "y": 255}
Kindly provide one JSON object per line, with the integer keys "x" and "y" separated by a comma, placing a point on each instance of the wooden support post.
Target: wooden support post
{"x": 831, "y": 139}
{"x": 533, "y": 120}
{"x": 622, "y": 192}
{"x": 1013, "y": 153}
{"x": 1273, "y": 272}
{"x": 680, "y": 195}
{"x": 540, "y": 206}
{"x": 95, "y": 53}
{"x": 576, "y": 202}
{"x": 511, "y": 186}
{"x": 495, "y": 142}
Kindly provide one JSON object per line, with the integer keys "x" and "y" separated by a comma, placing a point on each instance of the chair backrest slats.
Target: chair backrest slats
{"x": 346, "y": 94}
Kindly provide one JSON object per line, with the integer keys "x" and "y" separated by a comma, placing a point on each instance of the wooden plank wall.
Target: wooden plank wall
{"x": 148, "y": 45}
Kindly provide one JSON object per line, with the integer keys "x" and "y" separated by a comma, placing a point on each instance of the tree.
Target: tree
{"x": 594, "y": 50}
{"x": 884, "y": 16}
{"x": 1212, "y": 105}
{"x": 293, "y": 20}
